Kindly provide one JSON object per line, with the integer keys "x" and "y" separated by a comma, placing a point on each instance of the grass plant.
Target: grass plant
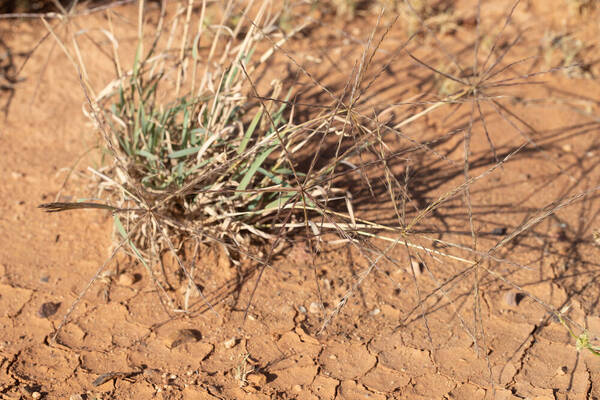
{"x": 200, "y": 151}
{"x": 195, "y": 158}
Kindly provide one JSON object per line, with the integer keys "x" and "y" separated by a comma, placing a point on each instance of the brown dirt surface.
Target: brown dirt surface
{"x": 405, "y": 333}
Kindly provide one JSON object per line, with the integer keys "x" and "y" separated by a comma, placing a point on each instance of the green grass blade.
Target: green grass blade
{"x": 136, "y": 61}
{"x": 249, "y": 132}
{"x": 195, "y": 47}
{"x": 279, "y": 114}
{"x": 123, "y": 234}
{"x": 254, "y": 167}
{"x": 279, "y": 202}
{"x": 147, "y": 155}
{"x": 186, "y": 126}
{"x": 185, "y": 152}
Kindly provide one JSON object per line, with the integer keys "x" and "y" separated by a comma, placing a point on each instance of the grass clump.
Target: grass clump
{"x": 203, "y": 159}
{"x": 199, "y": 150}
{"x": 195, "y": 161}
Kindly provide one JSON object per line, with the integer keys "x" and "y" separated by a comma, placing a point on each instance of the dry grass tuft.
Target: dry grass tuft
{"x": 201, "y": 151}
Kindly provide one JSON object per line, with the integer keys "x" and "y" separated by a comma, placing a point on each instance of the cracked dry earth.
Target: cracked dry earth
{"x": 120, "y": 343}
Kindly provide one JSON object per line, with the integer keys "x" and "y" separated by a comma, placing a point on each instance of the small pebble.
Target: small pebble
{"x": 45, "y": 279}
{"x": 567, "y": 148}
{"x": 512, "y": 298}
{"x": 302, "y": 309}
{"x": 562, "y": 370}
{"x": 36, "y": 395}
{"x": 417, "y": 267}
{"x": 256, "y": 379}
{"x": 75, "y": 397}
{"x": 314, "y": 308}
{"x": 499, "y": 231}
{"x": 375, "y": 311}
{"x": 48, "y": 309}
{"x": 230, "y": 343}
{"x": 126, "y": 279}
{"x": 181, "y": 336}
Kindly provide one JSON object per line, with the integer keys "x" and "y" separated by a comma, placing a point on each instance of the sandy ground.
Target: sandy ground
{"x": 397, "y": 337}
